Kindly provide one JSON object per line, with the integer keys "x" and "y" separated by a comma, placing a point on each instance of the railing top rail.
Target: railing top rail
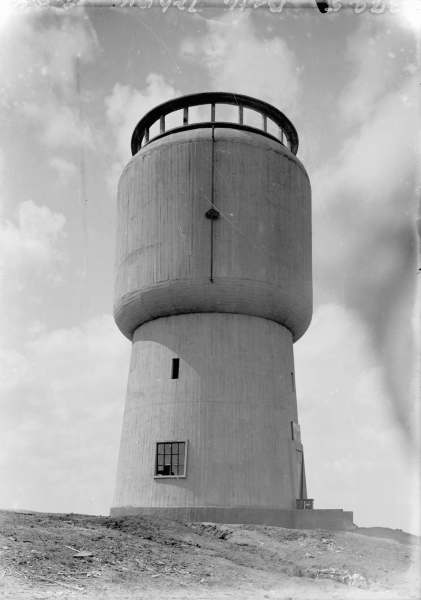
{"x": 212, "y": 98}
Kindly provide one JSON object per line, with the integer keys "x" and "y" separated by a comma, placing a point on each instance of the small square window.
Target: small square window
{"x": 170, "y": 459}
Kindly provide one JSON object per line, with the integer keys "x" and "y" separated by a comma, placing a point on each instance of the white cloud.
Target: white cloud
{"x": 62, "y": 400}
{"x": 354, "y": 449}
{"x": 364, "y": 237}
{"x": 238, "y": 60}
{"x": 7, "y": 13}
{"x": 32, "y": 241}
{"x": 377, "y": 57}
{"x": 358, "y": 195}
{"x": 64, "y": 168}
{"x": 63, "y": 126}
{"x": 2, "y": 179}
{"x": 39, "y": 67}
{"x": 29, "y": 256}
{"x": 125, "y": 106}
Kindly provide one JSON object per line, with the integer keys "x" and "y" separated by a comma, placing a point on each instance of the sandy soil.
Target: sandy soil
{"x": 46, "y": 556}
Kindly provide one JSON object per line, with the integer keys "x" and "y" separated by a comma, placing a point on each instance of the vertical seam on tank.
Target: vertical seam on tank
{"x": 212, "y": 201}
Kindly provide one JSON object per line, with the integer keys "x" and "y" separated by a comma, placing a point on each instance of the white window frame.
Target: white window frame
{"x": 180, "y": 476}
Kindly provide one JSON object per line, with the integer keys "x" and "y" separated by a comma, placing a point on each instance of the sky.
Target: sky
{"x": 74, "y": 82}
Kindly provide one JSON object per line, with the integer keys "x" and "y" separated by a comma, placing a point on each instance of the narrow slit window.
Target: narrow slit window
{"x": 175, "y": 368}
{"x": 170, "y": 459}
{"x": 293, "y": 381}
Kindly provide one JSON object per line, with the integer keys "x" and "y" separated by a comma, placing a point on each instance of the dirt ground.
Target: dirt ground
{"x": 46, "y": 556}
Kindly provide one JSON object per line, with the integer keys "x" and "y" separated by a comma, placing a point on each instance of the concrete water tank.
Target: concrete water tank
{"x": 213, "y": 286}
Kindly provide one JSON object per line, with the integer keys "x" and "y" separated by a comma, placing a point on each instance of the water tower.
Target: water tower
{"x": 213, "y": 286}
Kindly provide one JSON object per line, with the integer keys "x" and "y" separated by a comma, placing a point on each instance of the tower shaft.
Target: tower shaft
{"x": 233, "y": 402}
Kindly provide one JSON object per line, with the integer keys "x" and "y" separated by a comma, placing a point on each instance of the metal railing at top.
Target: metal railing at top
{"x": 250, "y": 114}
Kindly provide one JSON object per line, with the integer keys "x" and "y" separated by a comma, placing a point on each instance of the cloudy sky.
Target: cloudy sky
{"x": 73, "y": 85}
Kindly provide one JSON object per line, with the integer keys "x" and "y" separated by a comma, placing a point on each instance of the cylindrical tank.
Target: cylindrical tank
{"x": 261, "y": 242}
{"x": 213, "y": 271}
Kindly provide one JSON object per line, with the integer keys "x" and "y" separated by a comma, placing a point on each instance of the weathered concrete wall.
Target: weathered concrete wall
{"x": 334, "y": 519}
{"x": 262, "y": 242}
{"x": 234, "y": 402}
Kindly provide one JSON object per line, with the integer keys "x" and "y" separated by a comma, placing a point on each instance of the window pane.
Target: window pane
{"x": 252, "y": 118}
{"x": 199, "y": 114}
{"x": 174, "y": 119}
{"x": 226, "y": 112}
{"x": 154, "y": 130}
{"x": 170, "y": 458}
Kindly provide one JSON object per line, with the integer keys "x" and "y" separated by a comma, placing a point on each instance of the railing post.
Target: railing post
{"x": 185, "y": 115}
{"x": 240, "y": 114}
{"x": 265, "y": 123}
{"x": 146, "y": 137}
{"x": 213, "y": 112}
{"x": 162, "y": 124}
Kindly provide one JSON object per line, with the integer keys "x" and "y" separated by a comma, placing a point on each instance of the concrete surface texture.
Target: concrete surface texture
{"x": 262, "y": 240}
{"x": 233, "y": 402}
{"x": 227, "y": 298}
{"x": 334, "y": 519}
